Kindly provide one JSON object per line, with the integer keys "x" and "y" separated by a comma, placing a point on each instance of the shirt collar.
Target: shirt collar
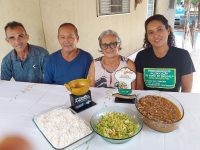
{"x": 15, "y": 57}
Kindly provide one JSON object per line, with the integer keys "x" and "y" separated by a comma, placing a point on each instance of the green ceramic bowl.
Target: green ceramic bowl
{"x": 97, "y": 116}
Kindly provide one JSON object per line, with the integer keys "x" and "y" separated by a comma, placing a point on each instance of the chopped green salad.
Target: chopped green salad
{"x": 117, "y": 125}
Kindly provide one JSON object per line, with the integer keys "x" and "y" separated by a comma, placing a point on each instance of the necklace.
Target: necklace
{"x": 110, "y": 65}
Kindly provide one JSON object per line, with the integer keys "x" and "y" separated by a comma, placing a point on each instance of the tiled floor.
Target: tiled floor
{"x": 195, "y": 54}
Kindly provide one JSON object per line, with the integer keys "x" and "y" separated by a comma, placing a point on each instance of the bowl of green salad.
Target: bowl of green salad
{"x": 116, "y": 124}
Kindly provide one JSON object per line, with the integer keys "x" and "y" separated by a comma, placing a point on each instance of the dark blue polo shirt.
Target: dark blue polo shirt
{"x": 29, "y": 70}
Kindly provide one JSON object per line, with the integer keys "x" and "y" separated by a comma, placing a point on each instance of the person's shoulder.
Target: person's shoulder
{"x": 85, "y": 53}
{"x": 54, "y": 58}
{"x": 55, "y": 54}
{"x": 98, "y": 59}
{"x": 9, "y": 56}
{"x": 144, "y": 52}
{"x": 179, "y": 51}
{"x": 38, "y": 49}
{"x": 124, "y": 58}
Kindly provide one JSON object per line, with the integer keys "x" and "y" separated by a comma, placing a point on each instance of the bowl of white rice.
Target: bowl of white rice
{"x": 63, "y": 128}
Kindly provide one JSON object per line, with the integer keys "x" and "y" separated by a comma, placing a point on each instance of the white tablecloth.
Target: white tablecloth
{"x": 19, "y": 102}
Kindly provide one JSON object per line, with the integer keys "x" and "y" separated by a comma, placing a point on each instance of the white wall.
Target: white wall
{"x": 163, "y": 8}
{"x": 25, "y": 11}
{"x": 84, "y": 15}
{"x": 42, "y": 18}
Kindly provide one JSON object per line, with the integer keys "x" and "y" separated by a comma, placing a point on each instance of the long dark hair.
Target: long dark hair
{"x": 161, "y": 18}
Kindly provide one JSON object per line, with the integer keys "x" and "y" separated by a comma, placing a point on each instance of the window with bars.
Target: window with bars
{"x": 171, "y": 4}
{"x": 111, "y": 7}
{"x": 150, "y": 8}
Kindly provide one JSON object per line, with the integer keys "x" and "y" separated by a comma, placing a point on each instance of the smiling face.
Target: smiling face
{"x": 157, "y": 34}
{"x": 109, "y": 45}
{"x": 67, "y": 38}
{"x": 17, "y": 38}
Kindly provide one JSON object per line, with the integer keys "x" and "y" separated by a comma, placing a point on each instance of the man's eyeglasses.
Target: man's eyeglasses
{"x": 111, "y": 45}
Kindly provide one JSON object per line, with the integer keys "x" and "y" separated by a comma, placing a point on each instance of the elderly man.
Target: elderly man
{"x": 25, "y": 62}
{"x": 70, "y": 62}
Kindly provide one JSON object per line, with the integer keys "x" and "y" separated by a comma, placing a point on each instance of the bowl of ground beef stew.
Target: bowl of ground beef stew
{"x": 159, "y": 110}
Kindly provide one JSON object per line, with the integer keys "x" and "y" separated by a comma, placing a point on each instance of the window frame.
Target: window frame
{"x": 124, "y": 9}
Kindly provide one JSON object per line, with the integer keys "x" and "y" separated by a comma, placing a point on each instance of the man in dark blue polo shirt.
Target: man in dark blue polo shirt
{"x": 25, "y": 62}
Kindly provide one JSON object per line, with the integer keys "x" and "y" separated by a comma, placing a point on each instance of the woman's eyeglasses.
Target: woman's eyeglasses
{"x": 111, "y": 45}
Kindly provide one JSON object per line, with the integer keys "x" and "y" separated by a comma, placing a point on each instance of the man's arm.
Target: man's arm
{"x": 48, "y": 73}
{"x": 6, "y": 70}
{"x": 44, "y": 60}
{"x": 91, "y": 75}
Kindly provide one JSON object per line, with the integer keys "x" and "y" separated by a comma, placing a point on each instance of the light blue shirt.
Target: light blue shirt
{"x": 29, "y": 70}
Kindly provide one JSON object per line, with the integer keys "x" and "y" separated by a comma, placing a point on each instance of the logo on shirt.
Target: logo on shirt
{"x": 35, "y": 66}
{"x": 160, "y": 77}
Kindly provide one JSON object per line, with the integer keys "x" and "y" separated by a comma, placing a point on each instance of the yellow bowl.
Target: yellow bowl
{"x": 78, "y": 86}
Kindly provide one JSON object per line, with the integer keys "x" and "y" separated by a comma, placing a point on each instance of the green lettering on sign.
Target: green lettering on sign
{"x": 160, "y": 77}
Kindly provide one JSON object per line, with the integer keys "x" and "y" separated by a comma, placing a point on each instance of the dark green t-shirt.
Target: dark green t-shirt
{"x": 164, "y": 74}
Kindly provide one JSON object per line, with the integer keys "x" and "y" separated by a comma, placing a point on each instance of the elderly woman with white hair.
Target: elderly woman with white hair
{"x": 102, "y": 70}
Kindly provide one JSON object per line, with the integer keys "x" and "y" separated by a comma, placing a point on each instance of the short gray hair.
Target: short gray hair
{"x": 108, "y": 32}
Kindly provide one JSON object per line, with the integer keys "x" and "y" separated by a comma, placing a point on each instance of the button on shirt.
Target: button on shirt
{"x": 29, "y": 70}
